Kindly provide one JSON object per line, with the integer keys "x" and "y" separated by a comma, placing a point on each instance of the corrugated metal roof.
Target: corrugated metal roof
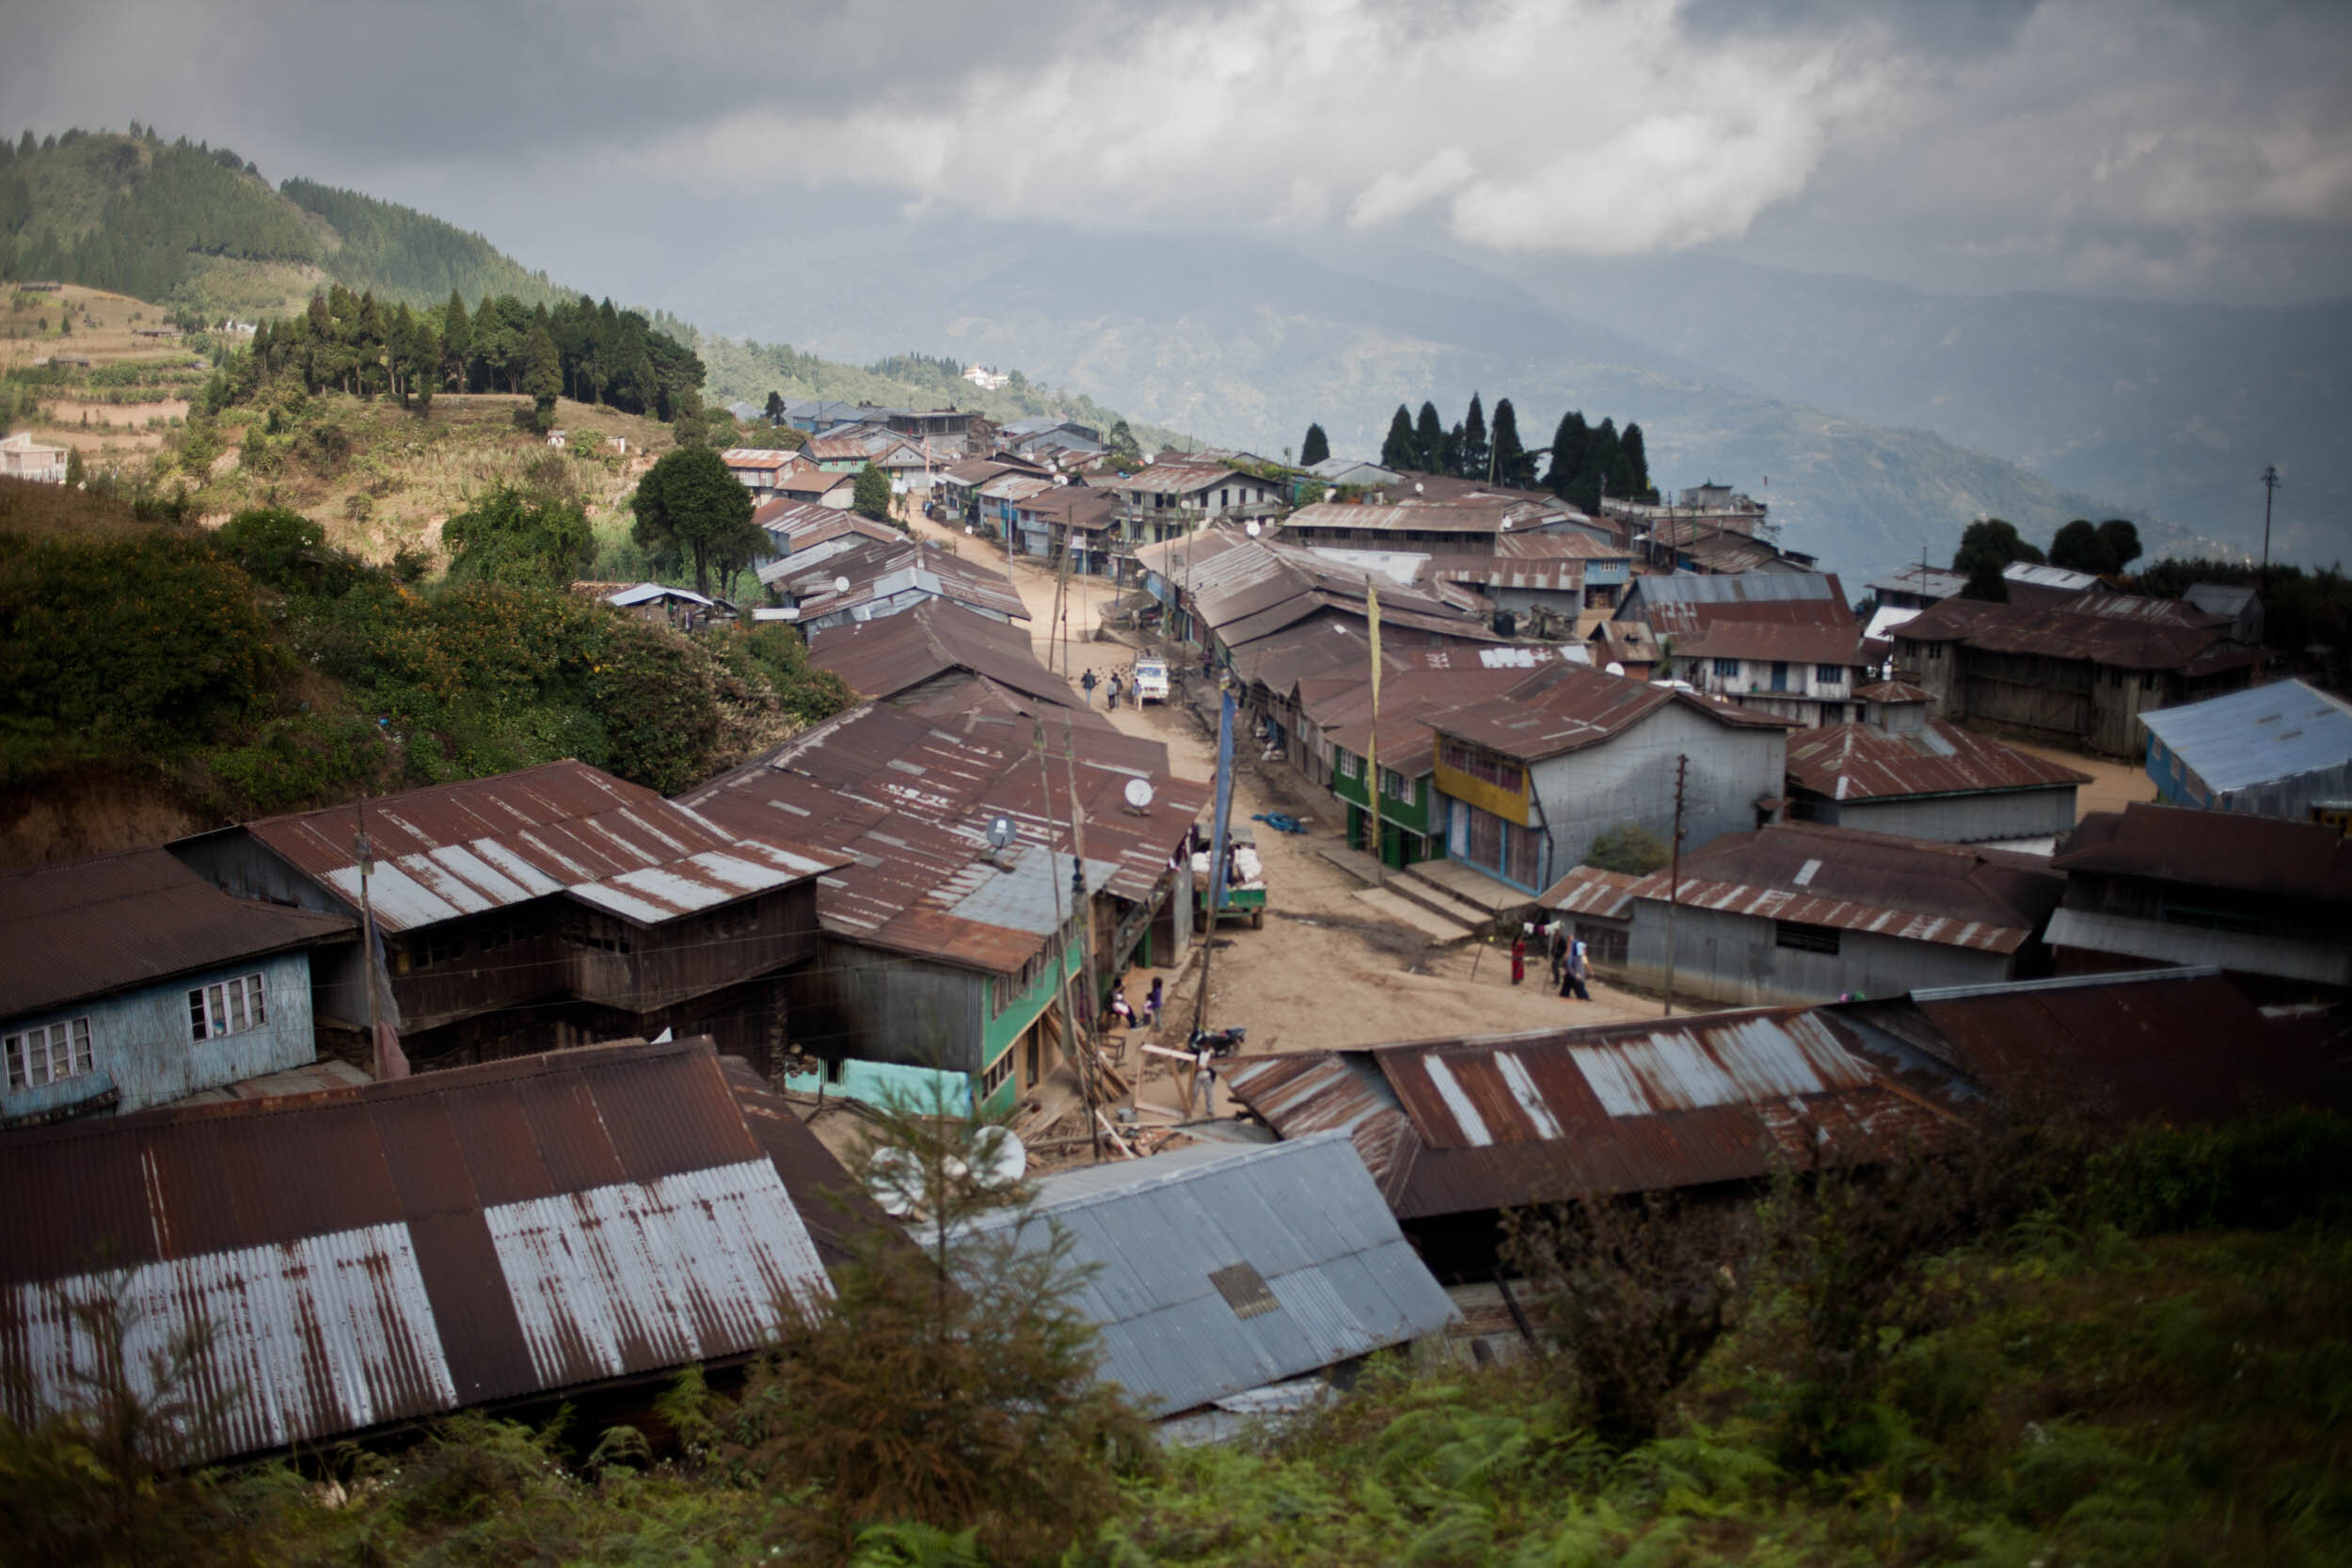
{"x": 76, "y": 930}
{"x": 1749, "y": 588}
{"x": 648, "y": 593}
{"x": 1570, "y": 707}
{"x": 2181, "y": 1044}
{"x": 917, "y": 568}
{"x": 2258, "y": 735}
{"x": 758, "y": 457}
{"x": 1498, "y": 1121}
{"x": 2208, "y": 849}
{"x": 882, "y": 658}
{"x": 395, "y": 1251}
{"x": 457, "y": 849}
{"x": 907, "y": 800}
{"x": 2323, "y": 959}
{"x": 1302, "y": 1216}
{"x": 1933, "y": 582}
{"x": 1864, "y": 762}
{"x": 1949, "y": 894}
{"x": 2118, "y": 629}
{"x": 2041, "y": 576}
{"x": 1589, "y": 890}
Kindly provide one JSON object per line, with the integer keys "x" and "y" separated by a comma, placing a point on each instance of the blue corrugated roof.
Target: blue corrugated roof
{"x": 2254, "y": 736}
{"x": 1304, "y": 1213}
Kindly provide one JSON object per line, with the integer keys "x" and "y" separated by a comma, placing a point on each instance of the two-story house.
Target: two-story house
{"x": 1531, "y": 779}
{"x": 548, "y": 907}
{"x": 1781, "y": 643}
{"x": 127, "y": 980}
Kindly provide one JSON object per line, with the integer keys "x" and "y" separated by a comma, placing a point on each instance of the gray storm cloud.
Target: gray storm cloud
{"x": 2095, "y": 144}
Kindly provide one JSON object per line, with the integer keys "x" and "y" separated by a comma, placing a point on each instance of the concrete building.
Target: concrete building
{"x": 1798, "y": 913}
{"x": 2081, "y": 671}
{"x": 1895, "y": 770}
{"x": 36, "y": 462}
{"x": 2283, "y": 750}
{"x": 1530, "y": 780}
{"x": 129, "y": 981}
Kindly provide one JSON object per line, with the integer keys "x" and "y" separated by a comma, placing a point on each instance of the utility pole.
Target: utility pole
{"x": 1674, "y": 878}
{"x": 1372, "y": 739}
{"x": 1061, "y": 610}
{"x": 1085, "y": 910}
{"x": 1078, "y": 1063}
{"x": 367, "y": 946}
{"x": 2270, "y": 488}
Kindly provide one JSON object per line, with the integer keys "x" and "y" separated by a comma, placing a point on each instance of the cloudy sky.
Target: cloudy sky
{"x": 2161, "y": 151}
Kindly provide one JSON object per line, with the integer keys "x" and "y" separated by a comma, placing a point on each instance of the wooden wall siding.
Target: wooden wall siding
{"x": 143, "y": 1050}
{"x": 1736, "y": 959}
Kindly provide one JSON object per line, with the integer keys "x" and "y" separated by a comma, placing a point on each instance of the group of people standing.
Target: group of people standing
{"x": 1113, "y": 686}
{"x": 1571, "y": 964}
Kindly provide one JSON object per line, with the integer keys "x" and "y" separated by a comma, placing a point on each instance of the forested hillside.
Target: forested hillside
{"x": 185, "y": 223}
{"x": 255, "y": 668}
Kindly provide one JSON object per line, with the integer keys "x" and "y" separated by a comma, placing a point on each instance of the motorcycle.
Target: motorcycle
{"x": 1220, "y": 1042}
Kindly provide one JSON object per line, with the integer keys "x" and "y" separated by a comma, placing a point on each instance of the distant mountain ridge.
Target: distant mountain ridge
{"x": 1245, "y": 342}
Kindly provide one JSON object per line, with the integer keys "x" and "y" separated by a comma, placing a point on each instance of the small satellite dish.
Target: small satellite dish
{"x": 1000, "y": 832}
{"x": 1254, "y": 527}
{"x": 998, "y": 1157}
{"x": 1615, "y": 669}
{"x": 842, "y": 585}
{"x": 1139, "y": 793}
{"x": 893, "y": 1179}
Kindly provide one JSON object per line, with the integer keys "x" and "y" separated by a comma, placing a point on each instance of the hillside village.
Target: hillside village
{"x": 1310, "y": 869}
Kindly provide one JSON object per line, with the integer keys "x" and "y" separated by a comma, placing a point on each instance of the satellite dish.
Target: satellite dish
{"x": 1138, "y": 794}
{"x": 893, "y": 1179}
{"x": 998, "y": 1157}
{"x": 842, "y": 585}
{"x": 1254, "y": 526}
{"x": 1615, "y": 669}
{"x": 1000, "y": 832}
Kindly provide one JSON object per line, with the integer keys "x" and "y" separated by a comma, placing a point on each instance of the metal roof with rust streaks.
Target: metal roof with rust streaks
{"x": 390, "y": 1252}
{"x": 449, "y": 851}
{"x": 1488, "y": 1122}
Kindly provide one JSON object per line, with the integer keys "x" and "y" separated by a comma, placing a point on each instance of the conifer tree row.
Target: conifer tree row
{"x": 1586, "y": 463}
{"x": 585, "y": 350}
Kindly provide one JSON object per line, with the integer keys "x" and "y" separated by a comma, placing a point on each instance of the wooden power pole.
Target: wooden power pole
{"x": 1674, "y": 878}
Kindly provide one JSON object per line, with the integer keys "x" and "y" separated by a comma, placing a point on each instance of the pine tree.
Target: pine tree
{"x": 1402, "y": 450}
{"x": 1637, "y": 462}
{"x": 1429, "y": 441}
{"x": 1316, "y": 449}
{"x": 1568, "y": 452}
{"x": 456, "y": 340}
{"x": 1472, "y": 453}
{"x": 1513, "y": 467}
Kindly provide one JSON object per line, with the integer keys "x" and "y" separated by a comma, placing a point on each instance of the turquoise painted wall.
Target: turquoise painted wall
{"x": 881, "y": 1083}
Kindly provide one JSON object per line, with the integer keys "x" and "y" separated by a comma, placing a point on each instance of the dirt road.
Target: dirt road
{"x": 1325, "y": 971}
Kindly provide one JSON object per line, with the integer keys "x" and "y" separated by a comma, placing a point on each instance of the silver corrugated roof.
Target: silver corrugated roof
{"x": 1303, "y": 1214}
{"x": 2257, "y": 736}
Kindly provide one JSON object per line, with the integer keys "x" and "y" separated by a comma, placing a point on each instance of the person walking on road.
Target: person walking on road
{"x": 1204, "y": 1081}
{"x": 1556, "y": 948}
{"x": 1114, "y": 689}
{"x": 1087, "y": 683}
{"x": 1518, "y": 958}
{"x": 1579, "y": 966}
{"x": 1152, "y": 1004}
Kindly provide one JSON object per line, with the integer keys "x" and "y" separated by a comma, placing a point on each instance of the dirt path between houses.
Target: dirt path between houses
{"x": 1326, "y": 971}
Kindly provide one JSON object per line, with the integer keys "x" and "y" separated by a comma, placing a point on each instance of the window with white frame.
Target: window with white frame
{"x": 45, "y": 1055}
{"x": 1394, "y": 786}
{"x": 230, "y": 1007}
{"x": 1727, "y": 669}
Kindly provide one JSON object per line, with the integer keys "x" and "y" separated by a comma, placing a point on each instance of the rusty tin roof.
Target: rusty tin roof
{"x": 2120, "y": 629}
{"x": 906, "y": 799}
{"x": 1952, "y": 895}
{"x": 1568, "y": 706}
{"x": 2212, "y": 849}
{"x": 377, "y": 1255}
{"x": 76, "y": 930}
{"x": 449, "y": 851}
{"x": 1488, "y": 1122}
{"x": 884, "y": 658}
{"x": 1862, "y": 762}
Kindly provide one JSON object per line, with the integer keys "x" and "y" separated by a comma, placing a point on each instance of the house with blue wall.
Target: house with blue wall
{"x": 127, "y": 980}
